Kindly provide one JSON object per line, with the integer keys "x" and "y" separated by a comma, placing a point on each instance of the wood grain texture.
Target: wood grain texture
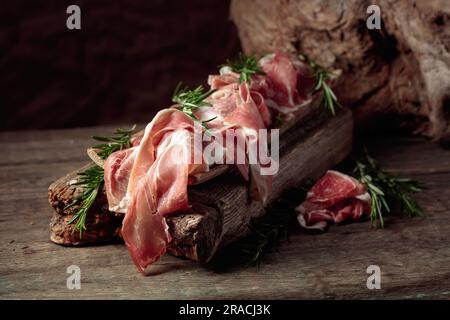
{"x": 414, "y": 254}
{"x": 401, "y": 70}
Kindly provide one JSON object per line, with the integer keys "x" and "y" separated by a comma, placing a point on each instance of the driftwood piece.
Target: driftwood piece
{"x": 401, "y": 69}
{"x": 221, "y": 207}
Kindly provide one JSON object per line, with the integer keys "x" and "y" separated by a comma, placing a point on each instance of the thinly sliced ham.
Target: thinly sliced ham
{"x": 283, "y": 89}
{"x": 239, "y": 108}
{"x": 149, "y": 181}
{"x": 226, "y": 77}
{"x": 334, "y": 198}
{"x": 162, "y": 190}
{"x": 285, "y": 86}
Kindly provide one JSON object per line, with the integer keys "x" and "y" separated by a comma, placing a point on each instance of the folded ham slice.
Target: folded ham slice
{"x": 150, "y": 180}
{"x": 335, "y": 198}
{"x": 236, "y": 107}
{"x": 286, "y": 85}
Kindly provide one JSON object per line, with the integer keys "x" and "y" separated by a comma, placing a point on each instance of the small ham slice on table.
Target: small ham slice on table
{"x": 335, "y": 198}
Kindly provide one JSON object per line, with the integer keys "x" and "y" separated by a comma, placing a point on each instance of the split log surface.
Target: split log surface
{"x": 221, "y": 207}
{"x": 402, "y": 69}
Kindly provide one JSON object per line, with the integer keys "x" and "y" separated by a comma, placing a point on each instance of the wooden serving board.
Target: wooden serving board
{"x": 221, "y": 208}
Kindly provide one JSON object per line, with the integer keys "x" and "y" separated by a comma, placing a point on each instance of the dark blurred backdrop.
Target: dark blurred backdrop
{"x": 121, "y": 67}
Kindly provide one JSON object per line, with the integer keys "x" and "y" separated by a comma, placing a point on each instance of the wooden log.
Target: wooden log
{"x": 221, "y": 207}
{"x": 401, "y": 69}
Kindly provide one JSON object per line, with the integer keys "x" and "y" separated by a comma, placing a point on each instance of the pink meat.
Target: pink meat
{"x": 336, "y": 197}
{"x": 239, "y": 108}
{"x": 149, "y": 181}
{"x": 282, "y": 75}
{"x": 285, "y": 85}
{"x": 117, "y": 175}
{"x": 224, "y": 79}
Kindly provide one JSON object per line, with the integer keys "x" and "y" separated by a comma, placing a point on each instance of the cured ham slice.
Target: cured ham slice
{"x": 239, "y": 108}
{"x": 162, "y": 190}
{"x": 149, "y": 181}
{"x": 283, "y": 89}
{"x": 226, "y": 77}
{"x": 335, "y": 198}
{"x": 285, "y": 86}
{"x": 117, "y": 176}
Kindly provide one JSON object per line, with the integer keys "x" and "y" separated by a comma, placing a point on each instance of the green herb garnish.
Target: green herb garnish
{"x": 269, "y": 231}
{"x": 322, "y": 75}
{"x": 120, "y": 140}
{"x": 92, "y": 179}
{"x": 278, "y": 122}
{"x": 246, "y": 66}
{"x": 385, "y": 188}
{"x": 266, "y": 238}
{"x": 191, "y": 100}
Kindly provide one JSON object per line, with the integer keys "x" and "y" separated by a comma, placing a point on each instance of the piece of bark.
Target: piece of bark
{"x": 221, "y": 207}
{"x": 402, "y": 69}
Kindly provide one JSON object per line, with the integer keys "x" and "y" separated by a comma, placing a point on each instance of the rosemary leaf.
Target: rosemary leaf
{"x": 191, "y": 100}
{"x": 322, "y": 75}
{"x": 246, "y": 66}
{"x": 92, "y": 179}
{"x": 386, "y": 189}
{"x": 269, "y": 231}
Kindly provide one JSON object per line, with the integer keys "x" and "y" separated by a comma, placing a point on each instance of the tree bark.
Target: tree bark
{"x": 402, "y": 69}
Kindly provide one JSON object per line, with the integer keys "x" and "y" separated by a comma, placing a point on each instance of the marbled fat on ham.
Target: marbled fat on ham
{"x": 335, "y": 198}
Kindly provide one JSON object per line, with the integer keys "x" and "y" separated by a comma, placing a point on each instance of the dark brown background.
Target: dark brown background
{"x": 121, "y": 67}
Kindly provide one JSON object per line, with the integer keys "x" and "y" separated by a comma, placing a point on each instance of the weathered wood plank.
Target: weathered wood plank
{"x": 414, "y": 254}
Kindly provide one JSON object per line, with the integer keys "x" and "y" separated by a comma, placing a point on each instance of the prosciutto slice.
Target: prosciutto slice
{"x": 149, "y": 181}
{"x": 285, "y": 86}
{"x": 335, "y": 198}
{"x": 236, "y": 107}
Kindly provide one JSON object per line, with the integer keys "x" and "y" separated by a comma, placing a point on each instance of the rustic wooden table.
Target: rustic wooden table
{"x": 413, "y": 254}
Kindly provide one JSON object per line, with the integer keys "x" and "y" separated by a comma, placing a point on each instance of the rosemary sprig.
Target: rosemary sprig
{"x": 265, "y": 238}
{"x": 246, "y": 66}
{"x": 191, "y": 100}
{"x": 385, "y": 189}
{"x": 120, "y": 140}
{"x": 322, "y": 75}
{"x": 278, "y": 121}
{"x": 92, "y": 179}
{"x": 270, "y": 230}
